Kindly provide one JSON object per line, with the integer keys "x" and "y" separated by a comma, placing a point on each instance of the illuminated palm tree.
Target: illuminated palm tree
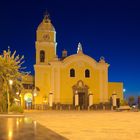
{"x": 11, "y": 74}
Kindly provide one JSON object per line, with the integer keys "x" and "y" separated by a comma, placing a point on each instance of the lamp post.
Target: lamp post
{"x": 10, "y": 82}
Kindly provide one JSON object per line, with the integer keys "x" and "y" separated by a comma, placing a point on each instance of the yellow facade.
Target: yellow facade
{"x": 115, "y": 88}
{"x": 55, "y": 75}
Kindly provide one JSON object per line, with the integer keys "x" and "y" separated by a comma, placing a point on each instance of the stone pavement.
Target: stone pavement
{"x": 90, "y": 125}
{"x": 15, "y": 128}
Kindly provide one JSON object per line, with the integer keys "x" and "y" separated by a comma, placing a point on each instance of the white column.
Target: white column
{"x": 50, "y": 99}
{"x": 114, "y": 100}
{"x": 76, "y": 100}
{"x": 90, "y": 100}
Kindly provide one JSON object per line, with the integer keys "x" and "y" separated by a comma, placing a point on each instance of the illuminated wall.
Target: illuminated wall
{"x": 52, "y": 75}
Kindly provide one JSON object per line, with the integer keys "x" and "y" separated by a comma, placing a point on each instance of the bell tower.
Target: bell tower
{"x": 45, "y": 42}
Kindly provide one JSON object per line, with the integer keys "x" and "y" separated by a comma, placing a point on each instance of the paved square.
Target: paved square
{"x": 90, "y": 125}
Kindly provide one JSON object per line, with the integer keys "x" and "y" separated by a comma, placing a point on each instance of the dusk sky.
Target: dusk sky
{"x": 104, "y": 28}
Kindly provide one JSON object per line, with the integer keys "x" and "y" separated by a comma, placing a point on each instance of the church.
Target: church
{"x": 77, "y": 80}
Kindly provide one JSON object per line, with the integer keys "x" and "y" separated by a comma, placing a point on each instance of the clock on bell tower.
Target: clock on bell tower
{"x": 45, "y": 41}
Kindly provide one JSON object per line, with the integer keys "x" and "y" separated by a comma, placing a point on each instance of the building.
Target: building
{"x": 26, "y": 95}
{"x": 77, "y": 79}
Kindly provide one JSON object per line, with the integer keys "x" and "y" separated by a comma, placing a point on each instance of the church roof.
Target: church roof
{"x": 46, "y": 24}
{"x": 81, "y": 56}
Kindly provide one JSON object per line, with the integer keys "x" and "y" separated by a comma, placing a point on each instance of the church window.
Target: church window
{"x": 72, "y": 73}
{"x": 87, "y": 73}
{"x": 42, "y": 56}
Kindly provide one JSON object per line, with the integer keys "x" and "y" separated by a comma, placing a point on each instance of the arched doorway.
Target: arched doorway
{"x": 82, "y": 91}
{"x": 28, "y": 98}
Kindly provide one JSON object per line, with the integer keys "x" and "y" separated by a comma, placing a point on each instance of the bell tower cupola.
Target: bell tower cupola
{"x": 45, "y": 41}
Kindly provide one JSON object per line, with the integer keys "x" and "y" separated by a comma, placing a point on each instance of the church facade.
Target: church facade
{"x": 77, "y": 79}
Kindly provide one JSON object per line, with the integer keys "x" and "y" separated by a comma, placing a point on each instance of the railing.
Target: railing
{"x": 71, "y": 107}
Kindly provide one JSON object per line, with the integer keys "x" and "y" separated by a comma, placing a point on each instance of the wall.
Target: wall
{"x": 117, "y": 88}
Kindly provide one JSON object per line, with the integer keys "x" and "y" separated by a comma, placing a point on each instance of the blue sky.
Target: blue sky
{"x": 104, "y": 27}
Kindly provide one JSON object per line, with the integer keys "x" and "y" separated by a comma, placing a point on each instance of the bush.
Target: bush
{"x": 16, "y": 109}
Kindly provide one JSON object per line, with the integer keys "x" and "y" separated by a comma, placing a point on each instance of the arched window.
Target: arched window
{"x": 72, "y": 73}
{"x": 87, "y": 73}
{"x": 42, "y": 56}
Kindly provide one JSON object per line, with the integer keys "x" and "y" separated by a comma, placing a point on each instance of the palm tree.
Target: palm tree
{"x": 10, "y": 69}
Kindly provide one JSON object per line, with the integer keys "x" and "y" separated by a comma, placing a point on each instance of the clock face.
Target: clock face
{"x": 46, "y": 37}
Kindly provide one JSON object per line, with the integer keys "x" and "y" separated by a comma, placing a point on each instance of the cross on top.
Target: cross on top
{"x": 46, "y": 15}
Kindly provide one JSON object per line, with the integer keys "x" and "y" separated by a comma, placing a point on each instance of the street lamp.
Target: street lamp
{"x": 8, "y": 100}
{"x": 10, "y": 82}
{"x": 124, "y": 90}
